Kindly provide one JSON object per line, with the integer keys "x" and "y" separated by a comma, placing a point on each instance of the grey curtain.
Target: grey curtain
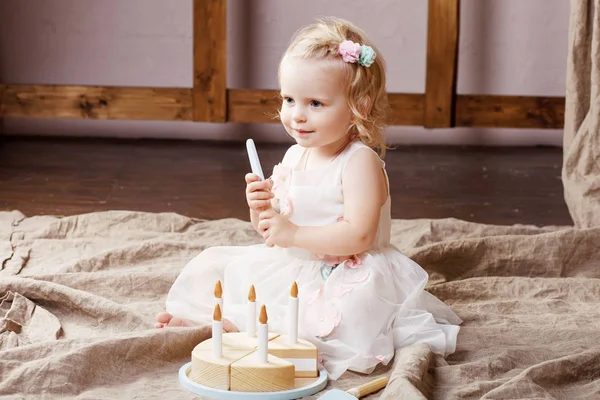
{"x": 581, "y": 151}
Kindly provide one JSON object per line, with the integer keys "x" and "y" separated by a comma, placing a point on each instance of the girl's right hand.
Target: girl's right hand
{"x": 258, "y": 192}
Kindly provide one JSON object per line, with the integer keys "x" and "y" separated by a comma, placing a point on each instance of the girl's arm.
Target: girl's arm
{"x": 365, "y": 191}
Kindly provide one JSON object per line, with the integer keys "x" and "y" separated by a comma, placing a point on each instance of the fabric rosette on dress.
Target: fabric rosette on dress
{"x": 282, "y": 178}
{"x": 322, "y": 313}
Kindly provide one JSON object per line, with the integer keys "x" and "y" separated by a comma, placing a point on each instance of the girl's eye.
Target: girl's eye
{"x": 288, "y": 100}
{"x": 316, "y": 104}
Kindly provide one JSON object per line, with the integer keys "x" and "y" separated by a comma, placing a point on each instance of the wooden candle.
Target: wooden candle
{"x": 293, "y": 314}
{"x": 263, "y": 335}
{"x": 217, "y": 333}
{"x": 251, "y": 316}
{"x": 219, "y": 295}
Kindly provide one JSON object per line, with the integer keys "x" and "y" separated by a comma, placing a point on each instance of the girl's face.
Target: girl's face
{"x": 314, "y": 110}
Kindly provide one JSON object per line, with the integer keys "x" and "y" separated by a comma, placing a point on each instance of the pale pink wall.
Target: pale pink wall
{"x": 506, "y": 47}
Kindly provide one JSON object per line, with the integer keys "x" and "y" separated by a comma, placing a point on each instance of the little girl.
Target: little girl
{"x": 325, "y": 219}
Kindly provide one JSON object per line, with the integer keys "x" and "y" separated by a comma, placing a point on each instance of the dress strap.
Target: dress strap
{"x": 300, "y": 164}
{"x": 352, "y": 148}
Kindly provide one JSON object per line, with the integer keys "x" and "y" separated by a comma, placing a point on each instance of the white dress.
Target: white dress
{"x": 357, "y": 311}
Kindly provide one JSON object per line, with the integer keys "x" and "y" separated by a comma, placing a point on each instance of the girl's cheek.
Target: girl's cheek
{"x": 284, "y": 114}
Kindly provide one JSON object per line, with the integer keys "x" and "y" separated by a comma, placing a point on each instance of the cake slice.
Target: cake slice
{"x": 248, "y": 374}
{"x": 214, "y": 372}
{"x": 302, "y": 354}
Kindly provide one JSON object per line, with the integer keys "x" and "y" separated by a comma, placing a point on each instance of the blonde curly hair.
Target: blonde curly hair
{"x": 365, "y": 86}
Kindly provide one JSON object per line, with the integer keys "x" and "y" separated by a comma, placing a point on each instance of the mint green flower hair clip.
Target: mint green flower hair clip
{"x": 353, "y": 52}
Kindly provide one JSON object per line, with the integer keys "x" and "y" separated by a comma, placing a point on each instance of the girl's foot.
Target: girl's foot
{"x": 228, "y": 326}
{"x": 165, "y": 319}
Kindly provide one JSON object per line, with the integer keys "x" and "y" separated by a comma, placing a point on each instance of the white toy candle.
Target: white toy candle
{"x": 219, "y": 295}
{"x": 217, "y": 333}
{"x": 251, "y": 316}
{"x": 263, "y": 336}
{"x": 293, "y": 314}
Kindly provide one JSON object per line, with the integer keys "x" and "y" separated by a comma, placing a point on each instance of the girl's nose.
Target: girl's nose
{"x": 299, "y": 115}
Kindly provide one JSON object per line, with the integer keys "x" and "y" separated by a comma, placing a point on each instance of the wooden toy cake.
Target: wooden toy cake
{"x": 246, "y": 362}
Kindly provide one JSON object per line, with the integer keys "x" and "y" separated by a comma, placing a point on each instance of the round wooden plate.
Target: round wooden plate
{"x": 312, "y": 386}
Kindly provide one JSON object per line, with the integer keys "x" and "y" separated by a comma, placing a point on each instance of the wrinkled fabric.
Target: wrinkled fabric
{"x": 529, "y": 298}
{"x": 581, "y": 140}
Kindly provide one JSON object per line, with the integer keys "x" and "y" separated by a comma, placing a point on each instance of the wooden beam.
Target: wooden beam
{"x": 442, "y": 55}
{"x": 135, "y": 103}
{"x": 253, "y": 106}
{"x": 490, "y": 111}
{"x": 260, "y": 106}
{"x": 406, "y": 109}
{"x": 210, "y": 60}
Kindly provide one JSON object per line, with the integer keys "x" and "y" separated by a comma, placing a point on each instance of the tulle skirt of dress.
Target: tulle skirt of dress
{"x": 357, "y": 313}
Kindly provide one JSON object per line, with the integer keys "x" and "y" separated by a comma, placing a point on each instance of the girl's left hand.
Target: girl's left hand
{"x": 276, "y": 229}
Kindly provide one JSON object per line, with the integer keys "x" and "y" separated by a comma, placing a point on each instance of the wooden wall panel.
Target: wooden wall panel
{"x": 442, "y": 54}
{"x": 253, "y": 106}
{"x": 134, "y": 103}
{"x": 259, "y": 106}
{"x": 210, "y": 60}
{"x": 510, "y": 111}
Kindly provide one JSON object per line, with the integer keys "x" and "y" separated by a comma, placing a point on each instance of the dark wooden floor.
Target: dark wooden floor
{"x": 61, "y": 176}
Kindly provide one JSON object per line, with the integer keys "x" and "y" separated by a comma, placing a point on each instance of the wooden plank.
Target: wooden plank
{"x": 442, "y": 55}
{"x": 406, "y": 108}
{"x": 135, "y": 103}
{"x": 67, "y": 176}
{"x": 260, "y": 106}
{"x": 253, "y": 106}
{"x": 210, "y": 60}
{"x": 490, "y": 111}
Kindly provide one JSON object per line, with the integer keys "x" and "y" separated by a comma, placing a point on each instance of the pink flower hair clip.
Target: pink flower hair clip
{"x": 353, "y": 52}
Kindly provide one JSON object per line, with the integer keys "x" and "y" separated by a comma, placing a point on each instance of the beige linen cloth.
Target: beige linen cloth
{"x": 79, "y": 296}
{"x": 581, "y": 140}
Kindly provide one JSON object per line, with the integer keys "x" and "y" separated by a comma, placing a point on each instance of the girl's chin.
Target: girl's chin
{"x": 303, "y": 139}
